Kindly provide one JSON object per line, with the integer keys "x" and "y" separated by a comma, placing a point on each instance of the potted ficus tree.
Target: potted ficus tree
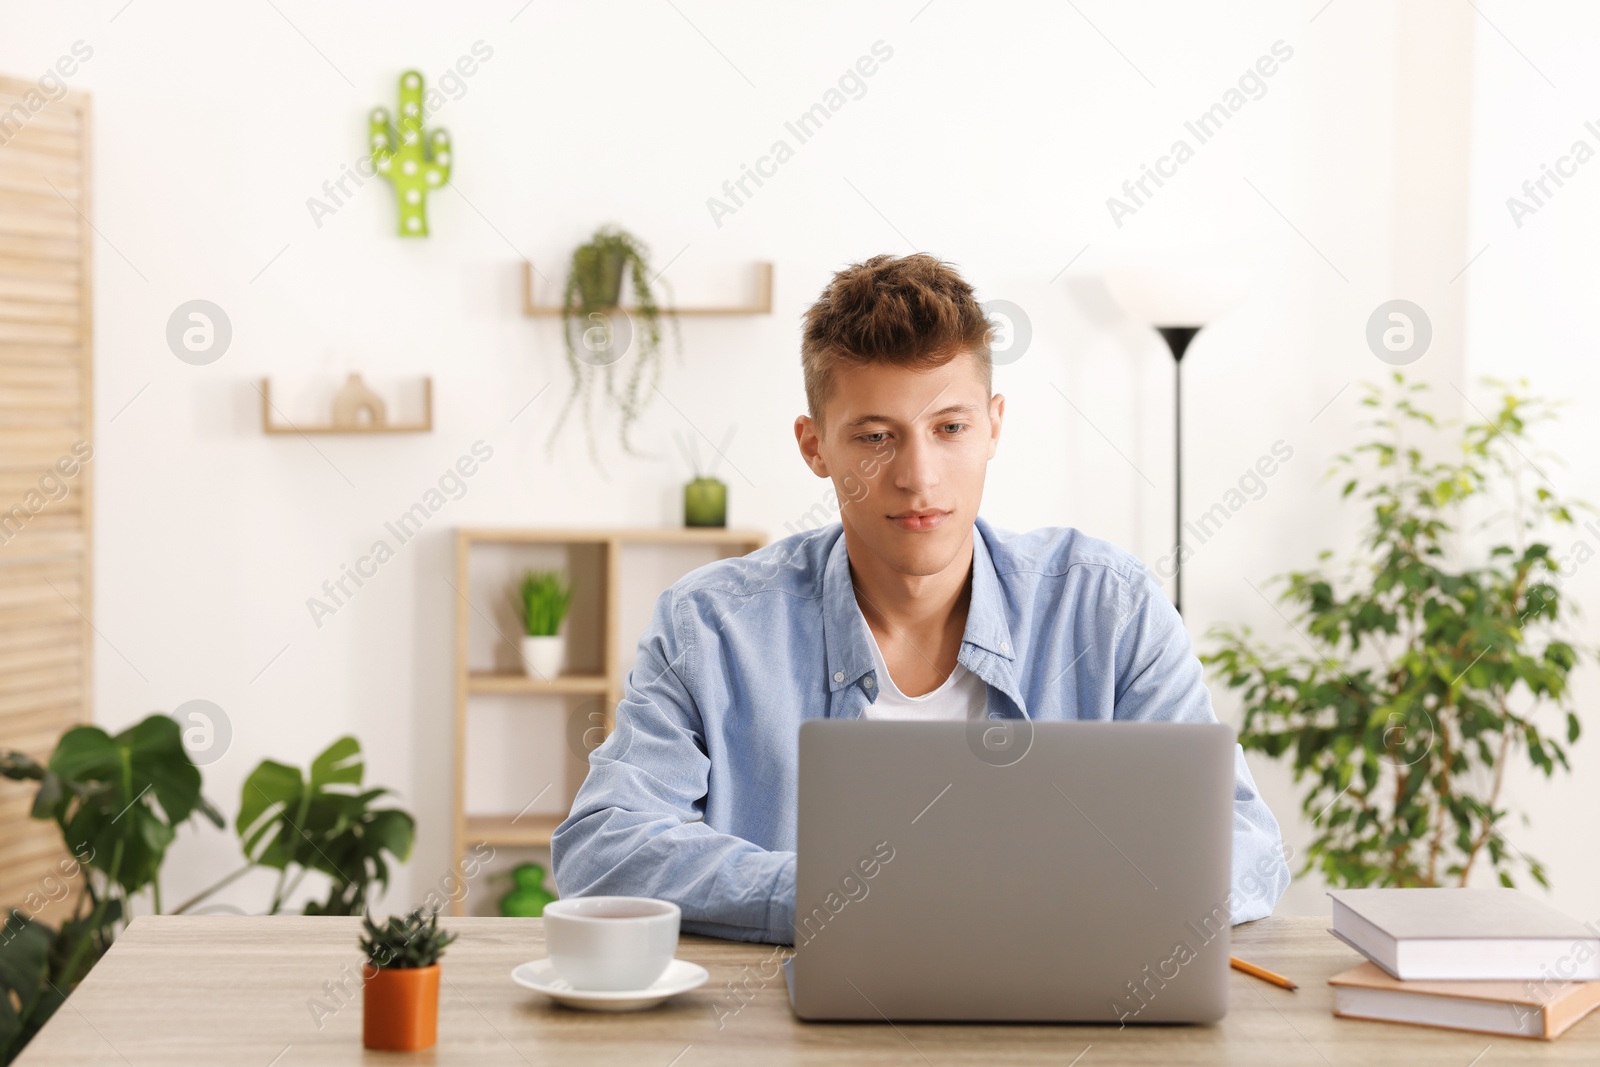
{"x": 400, "y": 981}
{"x": 1432, "y": 665}
{"x": 541, "y": 600}
{"x": 604, "y": 340}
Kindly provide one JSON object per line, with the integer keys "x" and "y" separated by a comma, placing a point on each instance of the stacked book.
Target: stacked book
{"x": 1491, "y": 960}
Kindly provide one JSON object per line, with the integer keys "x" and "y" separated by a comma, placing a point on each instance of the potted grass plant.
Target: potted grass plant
{"x": 541, "y": 600}
{"x": 400, "y": 981}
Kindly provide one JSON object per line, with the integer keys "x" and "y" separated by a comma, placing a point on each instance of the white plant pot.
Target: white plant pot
{"x": 544, "y": 657}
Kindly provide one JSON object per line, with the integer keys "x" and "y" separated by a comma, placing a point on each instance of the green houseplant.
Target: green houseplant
{"x": 321, "y": 821}
{"x": 1428, "y": 670}
{"x": 599, "y": 333}
{"x": 400, "y": 981}
{"x": 541, "y": 599}
{"x": 118, "y": 801}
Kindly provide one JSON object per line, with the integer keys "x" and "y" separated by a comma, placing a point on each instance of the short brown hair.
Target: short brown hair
{"x": 913, "y": 311}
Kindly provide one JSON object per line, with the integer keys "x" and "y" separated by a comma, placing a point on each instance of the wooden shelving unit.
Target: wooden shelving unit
{"x": 509, "y": 830}
{"x": 487, "y": 671}
{"x": 494, "y": 682}
{"x": 761, "y": 306}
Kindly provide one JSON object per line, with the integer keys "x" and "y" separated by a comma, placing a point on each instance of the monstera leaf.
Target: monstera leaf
{"x": 323, "y": 822}
{"x": 119, "y": 800}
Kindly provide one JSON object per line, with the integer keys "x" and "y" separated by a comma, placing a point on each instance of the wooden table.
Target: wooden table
{"x": 239, "y": 991}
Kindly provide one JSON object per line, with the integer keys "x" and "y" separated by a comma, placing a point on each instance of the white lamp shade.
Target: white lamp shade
{"x": 1159, "y": 296}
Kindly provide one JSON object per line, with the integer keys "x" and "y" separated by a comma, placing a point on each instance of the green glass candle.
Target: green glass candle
{"x": 705, "y": 502}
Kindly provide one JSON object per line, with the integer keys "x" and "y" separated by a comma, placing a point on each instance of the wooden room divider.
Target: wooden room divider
{"x": 46, "y": 464}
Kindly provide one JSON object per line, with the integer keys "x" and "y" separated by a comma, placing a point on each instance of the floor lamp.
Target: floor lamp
{"x": 1178, "y": 304}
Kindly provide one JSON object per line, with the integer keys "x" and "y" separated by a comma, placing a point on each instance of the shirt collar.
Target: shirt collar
{"x": 848, "y": 640}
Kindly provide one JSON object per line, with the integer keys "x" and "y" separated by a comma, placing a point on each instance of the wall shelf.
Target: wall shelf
{"x": 635, "y": 535}
{"x": 272, "y": 426}
{"x": 495, "y": 742}
{"x": 761, "y": 306}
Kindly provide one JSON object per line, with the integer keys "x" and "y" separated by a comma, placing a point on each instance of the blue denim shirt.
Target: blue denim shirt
{"x": 692, "y": 796}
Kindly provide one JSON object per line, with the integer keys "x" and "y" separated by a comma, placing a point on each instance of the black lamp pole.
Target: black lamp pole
{"x": 1177, "y": 338}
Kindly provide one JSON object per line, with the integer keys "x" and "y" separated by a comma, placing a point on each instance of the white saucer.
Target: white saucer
{"x": 679, "y": 977}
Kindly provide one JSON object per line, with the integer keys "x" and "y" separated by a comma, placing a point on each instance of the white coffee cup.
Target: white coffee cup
{"x": 611, "y": 943}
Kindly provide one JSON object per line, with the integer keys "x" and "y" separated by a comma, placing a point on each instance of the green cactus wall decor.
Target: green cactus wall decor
{"x": 413, "y": 162}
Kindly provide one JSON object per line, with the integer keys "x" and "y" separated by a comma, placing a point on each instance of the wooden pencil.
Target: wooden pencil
{"x": 1262, "y": 973}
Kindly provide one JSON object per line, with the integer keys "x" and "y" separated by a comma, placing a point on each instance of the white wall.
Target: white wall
{"x": 993, "y": 137}
{"x": 1530, "y": 315}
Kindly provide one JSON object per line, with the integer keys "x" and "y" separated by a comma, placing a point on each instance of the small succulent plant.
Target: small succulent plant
{"x": 405, "y": 941}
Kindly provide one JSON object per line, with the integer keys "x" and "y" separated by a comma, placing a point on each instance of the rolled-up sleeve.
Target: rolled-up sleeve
{"x": 636, "y": 827}
{"x": 1159, "y": 678}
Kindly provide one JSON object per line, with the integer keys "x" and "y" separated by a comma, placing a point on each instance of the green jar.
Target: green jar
{"x": 705, "y": 502}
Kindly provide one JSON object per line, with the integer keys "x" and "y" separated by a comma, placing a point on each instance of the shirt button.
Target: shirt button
{"x": 1005, "y": 646}
{"x": 868, "y": 681}
{"x": 838, "y": 676}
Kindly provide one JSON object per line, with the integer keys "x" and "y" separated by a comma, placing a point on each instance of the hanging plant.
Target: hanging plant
{"x": 605, "y": 341}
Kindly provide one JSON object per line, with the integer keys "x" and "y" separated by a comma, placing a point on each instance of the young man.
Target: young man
{"x": 910, "y": 607}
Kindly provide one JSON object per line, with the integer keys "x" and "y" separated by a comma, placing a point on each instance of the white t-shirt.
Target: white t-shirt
{"x": 963, "y": 696}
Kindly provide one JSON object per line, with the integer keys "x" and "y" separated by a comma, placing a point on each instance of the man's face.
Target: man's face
{"x": 907, "y": 451}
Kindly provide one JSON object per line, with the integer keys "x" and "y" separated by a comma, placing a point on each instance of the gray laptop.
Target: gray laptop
{"x": 1016, "y": 871}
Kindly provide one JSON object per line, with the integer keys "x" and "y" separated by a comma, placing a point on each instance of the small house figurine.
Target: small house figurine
{"x": 357, "y": 405}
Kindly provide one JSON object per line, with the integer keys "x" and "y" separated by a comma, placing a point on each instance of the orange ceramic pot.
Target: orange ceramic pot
{"x": 399, "y": 1007}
